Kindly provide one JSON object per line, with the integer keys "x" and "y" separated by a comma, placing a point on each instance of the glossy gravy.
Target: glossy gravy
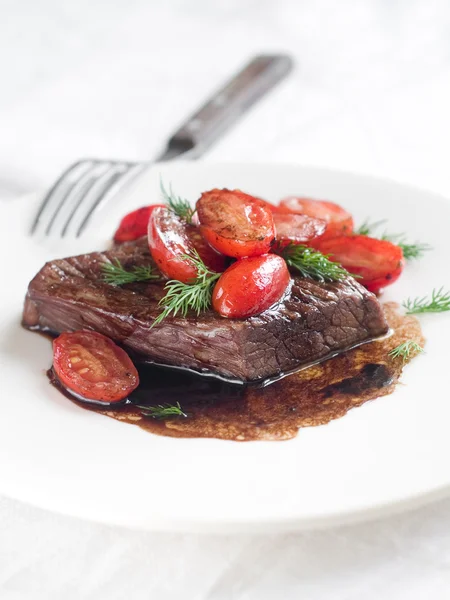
{"x": 310, "y": 397}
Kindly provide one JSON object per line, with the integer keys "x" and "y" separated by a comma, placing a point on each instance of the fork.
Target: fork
{"x": 88, "y": 184}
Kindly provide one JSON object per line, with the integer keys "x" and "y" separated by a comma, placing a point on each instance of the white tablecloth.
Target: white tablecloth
{"x": 112, "y": 78}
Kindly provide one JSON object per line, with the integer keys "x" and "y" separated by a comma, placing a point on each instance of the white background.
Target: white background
{"x": 371, "y": 93}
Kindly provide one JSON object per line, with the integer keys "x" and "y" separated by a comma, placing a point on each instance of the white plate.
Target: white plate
{"x": 384, "y": 456}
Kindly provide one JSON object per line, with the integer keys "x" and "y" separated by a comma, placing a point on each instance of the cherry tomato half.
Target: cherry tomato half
{"x": 212, "y": 259}
{"x": 299, "y": 229}
{"x": 339, "y": 221}
{"x": 134, "y": 225}
{"x": 378, "y": 262}
{"x": 93, "y": 366}
{"x": 170, "y": 239}
{"x": 235, "y": 223}
{"x": 272, "y": 207}
{"x": 250, "y": 286}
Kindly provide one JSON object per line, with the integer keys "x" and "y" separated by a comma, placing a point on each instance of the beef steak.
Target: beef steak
{"x": 314, "y": 320}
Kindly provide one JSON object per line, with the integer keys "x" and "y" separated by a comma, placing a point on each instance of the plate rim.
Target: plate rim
{"x": 257, "y": 527}
{"x": 291, "y": 523}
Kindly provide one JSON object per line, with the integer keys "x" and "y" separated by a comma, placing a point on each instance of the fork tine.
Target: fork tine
{"x": 51, "y": 193}
{"x": 85, "y": 189}
{"x": 124, "y": 173}
{"x": 73, "y": 191}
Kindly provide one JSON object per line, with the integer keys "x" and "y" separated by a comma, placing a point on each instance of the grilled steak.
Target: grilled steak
{"x": 314, "y": 321}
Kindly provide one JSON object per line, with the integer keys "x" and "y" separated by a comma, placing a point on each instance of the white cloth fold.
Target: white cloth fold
{"x": 44, "y": 556}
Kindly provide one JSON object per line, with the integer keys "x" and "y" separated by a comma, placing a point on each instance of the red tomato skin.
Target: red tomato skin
{"x": 298, "y": 229}
{"x": 168, "y": 242}
{"x": 214, "y": 260}
{"x": 272, "y": 207}
{"x": 111, "y": 376}
{"x": 339, "y": 221}
{"x": 250, "y": 286}
{"x": 170, "y": 238}
{"x": 234, "y": 223}
{"x": 379, "y": 263}
{"x": 234, "y": 248}
{"x": 134, "y": 225}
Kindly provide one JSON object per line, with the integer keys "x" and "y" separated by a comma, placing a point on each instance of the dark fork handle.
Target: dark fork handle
{"x": 230, "y": 102}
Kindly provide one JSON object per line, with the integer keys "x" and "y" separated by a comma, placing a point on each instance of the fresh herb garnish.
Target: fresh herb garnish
{"x": 410, "y": 251}
{"x": 181, "y": 297}
{"x": 311, "y": 263}
{"x": 162, "y": 411}
{"x": 407, "y": 350}
{"x": 115, "y": 274}
{"x": 367, "y": 228}
{"x": 178, "y": 205}
{"x": 439, "y": 302}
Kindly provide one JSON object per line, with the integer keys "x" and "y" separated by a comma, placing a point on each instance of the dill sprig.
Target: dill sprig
{"x": 114, "y": 273}
{"x": 410, "y": 251}
{"x": 407, "y": 350}
{"x": 439, "y": 302}
{"x": 178, "y": 205}
{"x": 367, "y": 228}
{"x": 162, "y": 411}
{"x": 311, "y": 263}
{"x": 181, "y": 297}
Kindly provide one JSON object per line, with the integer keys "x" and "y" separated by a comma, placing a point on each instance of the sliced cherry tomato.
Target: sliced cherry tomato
{"x": 298, "y": 229}
{"x": 93, "y": 367}
{"x": 250, "y": 286}
{"x": 212, "y": 259}
{"x": 339, "y": 221}
{"x": 378, "y": 262}
{"x": 235, "y": 223}
{"x": 134, "y": 225}
{"x": 267, "y": 204}
{"x": 170, "y": 239}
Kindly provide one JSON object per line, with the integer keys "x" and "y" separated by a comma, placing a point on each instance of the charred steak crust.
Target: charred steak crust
{"x": 312, "y": 322}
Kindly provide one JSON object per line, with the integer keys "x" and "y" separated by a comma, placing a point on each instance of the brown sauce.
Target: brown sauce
{"x": 310, "y": 397}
